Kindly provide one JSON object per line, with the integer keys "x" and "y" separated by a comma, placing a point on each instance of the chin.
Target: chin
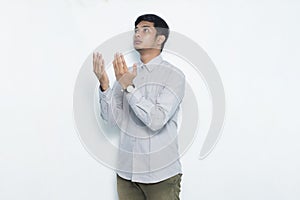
{"x": 138, "y": 48}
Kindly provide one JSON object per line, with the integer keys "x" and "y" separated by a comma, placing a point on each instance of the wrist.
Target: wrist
{"x": 103, "y": 87}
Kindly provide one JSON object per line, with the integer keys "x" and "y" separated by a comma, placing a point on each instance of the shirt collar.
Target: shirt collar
{"x": 152, "y": 63}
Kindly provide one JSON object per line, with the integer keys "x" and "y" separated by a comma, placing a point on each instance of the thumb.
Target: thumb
{"x": 134, "y": 70}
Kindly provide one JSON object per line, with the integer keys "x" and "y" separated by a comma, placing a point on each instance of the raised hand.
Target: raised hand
{"x": 99, "y": 70}
{"x": 122, "y": 74}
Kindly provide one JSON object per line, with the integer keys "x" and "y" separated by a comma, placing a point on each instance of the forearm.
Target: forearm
{"x": 104, "y": 82}
{"x": 154, "y": 114}
{"x": 111, "y": 104}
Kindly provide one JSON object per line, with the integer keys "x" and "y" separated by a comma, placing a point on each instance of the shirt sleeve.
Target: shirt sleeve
{"x": 111, "y": 104}
{"x": 156, "y": 113}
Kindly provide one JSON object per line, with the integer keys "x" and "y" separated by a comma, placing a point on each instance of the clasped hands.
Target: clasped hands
{"x": 122, "y": 74}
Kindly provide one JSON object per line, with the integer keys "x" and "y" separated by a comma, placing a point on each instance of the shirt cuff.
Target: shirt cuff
{"x": 104, "y": 94}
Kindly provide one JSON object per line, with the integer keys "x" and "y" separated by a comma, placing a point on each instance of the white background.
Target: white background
{"x": 254, "y": 45}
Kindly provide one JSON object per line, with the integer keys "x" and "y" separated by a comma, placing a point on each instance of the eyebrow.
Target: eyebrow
{"x": 143, "y": 26}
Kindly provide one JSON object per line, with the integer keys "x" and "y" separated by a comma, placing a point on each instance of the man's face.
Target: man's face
{"x": 145, "y": 36}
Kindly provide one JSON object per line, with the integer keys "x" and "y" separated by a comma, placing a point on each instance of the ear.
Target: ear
{"x": 161, "y": 39}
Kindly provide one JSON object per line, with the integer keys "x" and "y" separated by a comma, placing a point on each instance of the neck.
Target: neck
{"x": 148, "y": 54}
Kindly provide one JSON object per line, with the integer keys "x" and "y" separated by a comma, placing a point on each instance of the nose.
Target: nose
{"x": 137, "y": 34}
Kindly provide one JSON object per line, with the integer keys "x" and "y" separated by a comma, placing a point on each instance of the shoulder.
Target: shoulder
{"x": 172, "y": 69}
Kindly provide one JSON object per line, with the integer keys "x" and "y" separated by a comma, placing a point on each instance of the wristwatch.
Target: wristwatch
{"x": 130, "y": 88}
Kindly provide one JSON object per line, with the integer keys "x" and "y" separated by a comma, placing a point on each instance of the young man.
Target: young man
{"x": 144, "y": 102}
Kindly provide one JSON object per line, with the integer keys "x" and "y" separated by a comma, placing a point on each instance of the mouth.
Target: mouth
{"x": 137, "y": 42}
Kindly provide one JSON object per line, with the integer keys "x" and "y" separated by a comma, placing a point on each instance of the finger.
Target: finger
{"x": 120, "y": 65}
{"x": 102, "y": 66}
{"x": 125, "y": 68}
{"x": 98, "y": 64}
{"x": 94, "y": 61}
{"x": 115, "y": 65}
{"x": 134, "y": 70}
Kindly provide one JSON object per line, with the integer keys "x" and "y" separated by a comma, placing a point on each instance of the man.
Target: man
{"x": 144, "y": 103}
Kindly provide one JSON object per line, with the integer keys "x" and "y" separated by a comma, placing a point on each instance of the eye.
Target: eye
{"x": 146, "y": 30}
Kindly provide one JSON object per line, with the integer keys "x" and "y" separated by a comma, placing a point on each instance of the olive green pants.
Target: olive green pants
{"x": 168, "y": 189}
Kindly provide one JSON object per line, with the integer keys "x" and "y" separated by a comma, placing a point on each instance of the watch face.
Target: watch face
{"x": 130, "y": 88}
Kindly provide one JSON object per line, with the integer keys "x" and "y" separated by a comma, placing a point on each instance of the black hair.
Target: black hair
{"x": 160, "y": 25}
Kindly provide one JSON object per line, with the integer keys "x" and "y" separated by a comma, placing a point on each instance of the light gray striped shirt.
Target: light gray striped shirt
{"x": 148, "y": 121}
